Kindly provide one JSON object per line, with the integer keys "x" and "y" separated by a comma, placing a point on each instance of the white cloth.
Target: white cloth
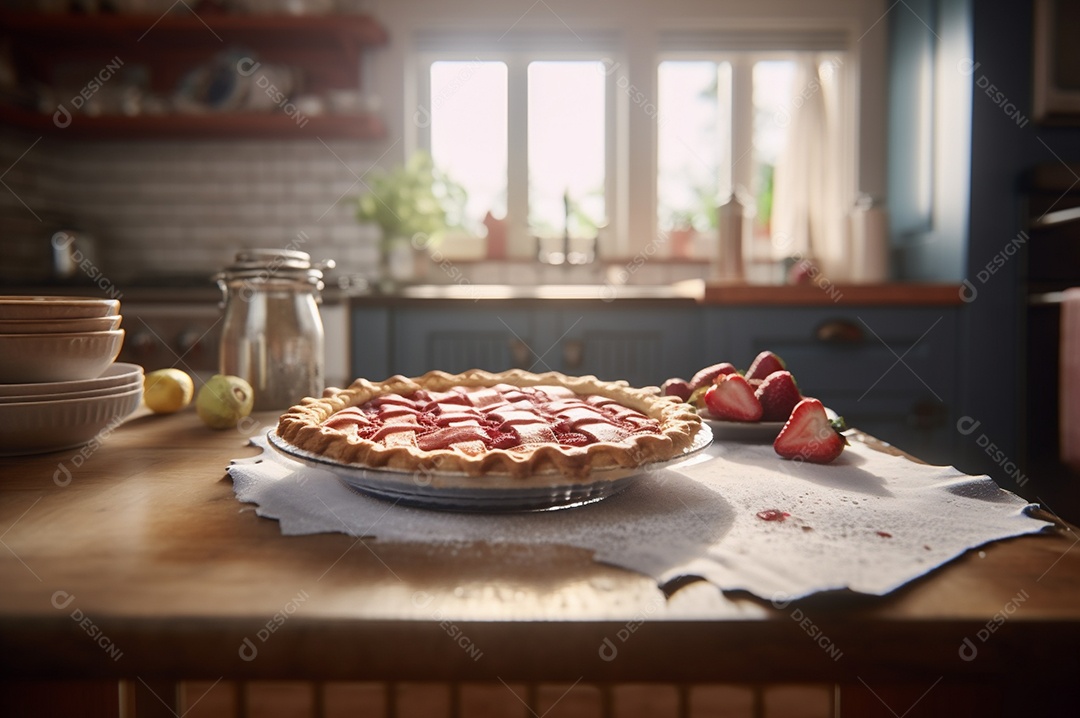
{"x": 1069, "y": 411}
{"x": 869, "y": 522}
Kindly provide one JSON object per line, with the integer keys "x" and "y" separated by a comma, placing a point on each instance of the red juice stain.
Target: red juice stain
{"x": 772, "y": 515}
{"x": 884, "y": 534}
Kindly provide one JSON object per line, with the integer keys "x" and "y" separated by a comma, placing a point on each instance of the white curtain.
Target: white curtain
{"x": 812, "y": 191}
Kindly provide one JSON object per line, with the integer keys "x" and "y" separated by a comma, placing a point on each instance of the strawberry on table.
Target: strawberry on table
{"x": 731, "y": 398}
{"x": 809, "y": 435}
{"x": 764, "y": 364}
{"x": 778, "y": 395}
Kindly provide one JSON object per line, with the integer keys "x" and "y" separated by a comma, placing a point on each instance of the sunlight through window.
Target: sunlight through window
{"x": 566, "y": 147}
{"x": 469, "y": 133}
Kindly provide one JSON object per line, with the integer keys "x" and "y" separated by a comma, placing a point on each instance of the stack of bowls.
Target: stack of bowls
{"x": 60, "y": 384}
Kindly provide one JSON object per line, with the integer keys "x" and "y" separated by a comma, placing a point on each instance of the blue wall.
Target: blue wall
{"x": 1005, "y": 143}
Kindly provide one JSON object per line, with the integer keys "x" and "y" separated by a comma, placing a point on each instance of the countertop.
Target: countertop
{"x": 146, "y": 545}
{"x": 690, "y": 291}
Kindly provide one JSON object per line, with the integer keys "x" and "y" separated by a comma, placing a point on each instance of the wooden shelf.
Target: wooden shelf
{"x": 325, "y": 49}
{"x": 238, "y": 125}
{"x": 84, "y": 30}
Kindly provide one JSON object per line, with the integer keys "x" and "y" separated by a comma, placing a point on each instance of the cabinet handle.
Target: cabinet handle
{"x": 839, "y": 331}
{"x": 573, "y": 352}
{"x": 519, "y": 353}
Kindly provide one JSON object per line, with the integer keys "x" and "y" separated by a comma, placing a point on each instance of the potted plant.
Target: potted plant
{"x": 413, "y": 205}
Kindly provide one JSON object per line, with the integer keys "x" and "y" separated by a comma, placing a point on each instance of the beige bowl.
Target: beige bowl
{"x": 118, "y": 374}
{"x": 30, "y": 307}
{"x": 57, "y": 357}
{"x": 59, "y": 326}
{"x": 40, "y": 426}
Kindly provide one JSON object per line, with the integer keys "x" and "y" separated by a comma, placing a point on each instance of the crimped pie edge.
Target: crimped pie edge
{"x": 302, "y": 427}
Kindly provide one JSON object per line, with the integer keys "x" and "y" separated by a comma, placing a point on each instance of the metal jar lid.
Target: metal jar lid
{"x": 266, "y": 264}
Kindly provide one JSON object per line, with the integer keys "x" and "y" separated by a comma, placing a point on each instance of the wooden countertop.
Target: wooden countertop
{"x": 145, "y": 565}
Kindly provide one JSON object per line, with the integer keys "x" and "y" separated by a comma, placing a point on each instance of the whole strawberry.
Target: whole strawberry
{"x": 706, "y": 376}
{"x": 809, "y": 435}
{"x": 778, "y": 395}
{"x": 764, "y": 364}
{"x": 676, "y": 387}
{"x": 731, "y": 398}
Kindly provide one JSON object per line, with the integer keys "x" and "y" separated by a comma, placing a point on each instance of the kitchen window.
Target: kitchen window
{"x": 564, "y": 140}
{"x": 726, "y": 126}
{"x": 528, "y": 135}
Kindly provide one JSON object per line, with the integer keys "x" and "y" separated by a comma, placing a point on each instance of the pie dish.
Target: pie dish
{"x": 477, "y": 424}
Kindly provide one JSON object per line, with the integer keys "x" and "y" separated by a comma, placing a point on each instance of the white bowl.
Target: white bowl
{"x": 30, "y": 307}
{"x": 118, "y": 374}
{"x": 57, "y": 357}
{"x": 59, "y": 326}
{"x": 36, "y": 427}
{"x": 136, "y": 383}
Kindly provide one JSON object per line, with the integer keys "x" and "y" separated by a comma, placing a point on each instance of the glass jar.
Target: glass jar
{"x": 272, "y": 335}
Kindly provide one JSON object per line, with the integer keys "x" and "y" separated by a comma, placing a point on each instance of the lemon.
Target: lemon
{"x": 224, "y": 400}
{"x": 167, "y": 390}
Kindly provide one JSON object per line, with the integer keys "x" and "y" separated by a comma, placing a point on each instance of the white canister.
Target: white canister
{"x": 869, "y": 226}
{"x": 730, "y": 221}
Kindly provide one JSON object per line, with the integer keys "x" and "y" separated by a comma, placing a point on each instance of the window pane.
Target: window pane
{"x": 774, "y": 105}
{"x": 566, "y": 147}
{"x": 468, "y": 133}
{"x": 693, "y": 142}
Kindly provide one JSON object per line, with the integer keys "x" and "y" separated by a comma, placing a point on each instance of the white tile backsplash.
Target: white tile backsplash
{"x": 186, "y": 207}
{"x": 167, "y": 207}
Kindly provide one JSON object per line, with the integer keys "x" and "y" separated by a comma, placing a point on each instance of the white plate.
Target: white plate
{"x": 118, "y": 374}
{"x": 745, "y": 430}
{"x": 37, "y": 427}
{"x": 135, "y": 383}
{"x": 451, "y": 491}
{"x": 750, "y": 431}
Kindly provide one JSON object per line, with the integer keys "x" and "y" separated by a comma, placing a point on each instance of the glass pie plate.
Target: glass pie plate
{"x": 453, "y": 491}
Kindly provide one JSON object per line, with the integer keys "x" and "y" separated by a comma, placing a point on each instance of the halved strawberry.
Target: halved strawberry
{"x": 808, "y": 434}
{"x": 676, "y": 387}
{"x": 764, "y": 364}
{"x": 778, "y": 395}
{"x": 706, "y": 376}
{"x": 732, "y": 399}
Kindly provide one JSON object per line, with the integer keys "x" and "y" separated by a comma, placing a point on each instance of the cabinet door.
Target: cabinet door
{"x": 642, "y": 344}
{"x": 369, "y": 350}
{"x": 890, "y": 372}
{"x": 460, "y": 338}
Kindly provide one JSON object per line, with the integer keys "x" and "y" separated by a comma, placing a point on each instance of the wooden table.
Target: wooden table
{"x": 133, "y": 560}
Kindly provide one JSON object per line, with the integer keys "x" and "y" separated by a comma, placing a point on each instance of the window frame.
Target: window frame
{"x": 634, "y": 50}
{"x": 741, "y": 140}
{"x": 520, "y": 242}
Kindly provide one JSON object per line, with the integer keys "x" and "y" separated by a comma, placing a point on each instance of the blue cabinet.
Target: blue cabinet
{"x": 641, "y": 343}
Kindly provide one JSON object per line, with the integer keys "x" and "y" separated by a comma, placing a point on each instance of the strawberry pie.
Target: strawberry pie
{"x": 511, "y": 423}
